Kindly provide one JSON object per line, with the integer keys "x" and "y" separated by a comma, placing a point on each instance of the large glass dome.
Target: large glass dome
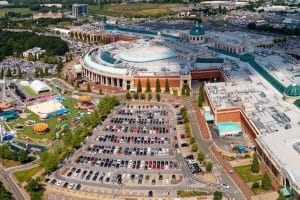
{"x": 292, "y": 90}
{"x": 147, "y": 54}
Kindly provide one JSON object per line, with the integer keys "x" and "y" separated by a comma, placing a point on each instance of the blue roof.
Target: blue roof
{"x": 228, "y": 126}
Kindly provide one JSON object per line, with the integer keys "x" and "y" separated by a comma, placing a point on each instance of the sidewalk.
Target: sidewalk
{"x": 202, "y": 124}
{"x": 235, "y": 177}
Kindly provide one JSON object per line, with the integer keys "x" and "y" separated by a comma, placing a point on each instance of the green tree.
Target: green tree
{"x": 8, "y": 72}
{"x": 266, "y": 182}
{"x": 23, "y": 157}
{"x": 136, "y": 95}
{"x": 2, "y": 73}
{"x": 158, "y": 97}
{"x": 128, "y": 96}
{"x": 36, "y": 73}
{"x": 218, "y": 195}
{"x": 143, "y": 96}
{"x": 187, "y": 91}
{"x": 139, "y": 86}
{"x": 49, "y": 161}
{"x": 88, "y": 87}
{"x": 60, "y": 66}
{"x": 192, "y": 140}
{"x": 201, "y": 96}
{"x": 149, "y": 96}
{"x": 42, "y": 75}
{"x": 148, "y": 86}
{"x": 14, "y": 71}
{"x": 201, "y": 156}
{"x": 4, "y": 194}
{"x": 46, "y": 71}
{"x": 167, "y": 87}
{"x": 255, "y": 164}
{"x": 255, "y": 185}
{"x": 19, "y": 73}
{"x": 157, "y": 86}
{"x": 194, "y": 147}
{"x": 281, "y": 196}
{"x": 208, "y": 166}
{"x": 76, "y": 140}
{"x": 183, "y": 89}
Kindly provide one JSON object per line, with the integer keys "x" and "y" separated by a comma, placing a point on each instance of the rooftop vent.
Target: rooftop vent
{"x": 297, "y": 146}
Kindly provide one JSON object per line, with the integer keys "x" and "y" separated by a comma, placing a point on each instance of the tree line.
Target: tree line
{"x": 49, "y": 160}
{"x": 268, "y": 28}
{"x": 15, "y": 43}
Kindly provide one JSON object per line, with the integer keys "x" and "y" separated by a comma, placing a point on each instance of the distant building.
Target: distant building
{"x": 50, "y": 15}
{"x": 36, "y": 52}
{"x": 4, "y": 3}
{"x": 196, "y": 35}
{"x": 57, "y": 5}
{"x": 79, "y": 10}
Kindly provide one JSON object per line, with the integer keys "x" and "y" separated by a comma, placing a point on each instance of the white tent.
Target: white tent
{"x": 38, "y": 86}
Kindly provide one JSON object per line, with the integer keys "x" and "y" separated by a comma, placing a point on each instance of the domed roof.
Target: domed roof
{"x": 197, "y": 30}
{"x": 292, "y": 90}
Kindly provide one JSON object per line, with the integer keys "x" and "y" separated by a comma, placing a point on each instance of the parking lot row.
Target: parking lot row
{"x": 139, "y": 120}
{"x": 116, "y": 177}
{"x": 138, "y": 129}
{"x": 105, "y": 162}
{"x": 116, "y": 139}
{"x": 127, "y": 151}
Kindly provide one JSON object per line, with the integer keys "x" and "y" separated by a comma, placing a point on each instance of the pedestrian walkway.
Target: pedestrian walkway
{"x": 236, "y": 178}
{"x": 202, "y": 124}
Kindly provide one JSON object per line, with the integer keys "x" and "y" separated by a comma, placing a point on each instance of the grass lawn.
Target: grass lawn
{"x": 52, "y": 122}
{"x": 245, "y": 173}
{"x": 25, "y": 175}
{"x": 9, "y": 163}
{"x": 134, "y": 9}
{"x": 23, "y": 11}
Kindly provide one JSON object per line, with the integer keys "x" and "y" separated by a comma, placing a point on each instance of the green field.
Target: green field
{"x": 23, "y": 11}
{"x": 52, "y": 122}
{"x": 29, "y": 91}
{"x": 9, "y": 163}
{"x": 134, "y": 9}
{"x": 245, "y": 173}
{"x": 25, "y": 175}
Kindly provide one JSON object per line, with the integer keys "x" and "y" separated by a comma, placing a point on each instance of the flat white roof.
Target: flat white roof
{"x": 281, "y": 147}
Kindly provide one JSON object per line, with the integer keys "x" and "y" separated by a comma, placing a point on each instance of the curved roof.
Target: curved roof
{"x": 147, "y": 54}
{"x": 292, "y": 90}
{"x": 197, "y": 30}
{"x": 38, "y": 86}
{"x": 97, "y": 66}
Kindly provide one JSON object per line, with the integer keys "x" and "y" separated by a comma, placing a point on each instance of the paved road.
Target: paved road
{"x": 221, "y": 174}
{"x": 9, "y": 181}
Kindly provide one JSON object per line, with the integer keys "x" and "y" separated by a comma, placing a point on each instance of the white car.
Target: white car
{"x": 58, "y": 183}
{"x": 223, "y": 185}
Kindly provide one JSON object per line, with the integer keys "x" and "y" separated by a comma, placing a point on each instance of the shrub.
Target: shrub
{"x": 255, "y": 185}
{"x": 201, "y": 156}
{"x": 266, "y": 182}
{"x": 255, "y": 164}
{"x": 192, "y": 140}
{"x": 218, "y": 195}
{"x": 194, "y": 147}
{"x": 209, "y": 166}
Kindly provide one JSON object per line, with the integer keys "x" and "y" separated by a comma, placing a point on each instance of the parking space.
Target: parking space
{"x": 134, "y": 146}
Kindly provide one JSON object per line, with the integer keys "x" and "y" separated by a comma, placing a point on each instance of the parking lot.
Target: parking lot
{"x": 134, "y": 146}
